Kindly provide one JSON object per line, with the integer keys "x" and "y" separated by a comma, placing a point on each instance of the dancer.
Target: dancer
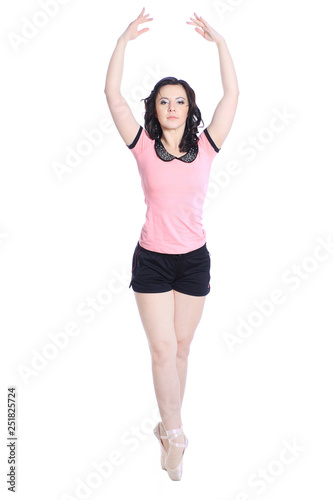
{"x": 171, "y": 262}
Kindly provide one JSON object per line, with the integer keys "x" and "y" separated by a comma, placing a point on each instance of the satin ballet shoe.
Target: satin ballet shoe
{"x": 176, "y": 473}
{"x": 157, "y": 433}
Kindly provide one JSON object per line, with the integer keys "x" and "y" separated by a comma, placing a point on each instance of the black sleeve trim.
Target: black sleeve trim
{"x": 211, "y": 141}
{"x": 137, "y": 137}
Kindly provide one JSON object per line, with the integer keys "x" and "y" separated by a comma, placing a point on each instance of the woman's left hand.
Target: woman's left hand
{"x": 206, "y": 31}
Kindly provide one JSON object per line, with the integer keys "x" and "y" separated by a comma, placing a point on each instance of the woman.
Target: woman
{"x": 171, "y": 263}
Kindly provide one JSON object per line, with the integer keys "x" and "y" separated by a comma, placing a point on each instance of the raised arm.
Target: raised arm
{"x": 121, "y": 112}
{"x": 225, "y": 110}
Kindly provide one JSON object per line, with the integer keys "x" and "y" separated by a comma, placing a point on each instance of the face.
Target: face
{"x": 171, "y": 101}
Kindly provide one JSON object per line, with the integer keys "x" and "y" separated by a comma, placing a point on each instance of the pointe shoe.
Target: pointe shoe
{"x": 163, "y": 450}
{"x": 176, "y": 473}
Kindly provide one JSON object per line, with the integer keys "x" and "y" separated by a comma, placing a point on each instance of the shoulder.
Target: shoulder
{"x": 206, "y": 143}
{"x": 140, "y": 142}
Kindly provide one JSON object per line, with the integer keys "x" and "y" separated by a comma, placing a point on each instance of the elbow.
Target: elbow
{"x": 112, "y": 93}
{"x": 232, "y": 94}
{"x": 108, "y": 90}
{"x": 235, "y": 91}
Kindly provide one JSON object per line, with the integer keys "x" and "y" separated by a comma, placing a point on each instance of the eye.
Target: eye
{"x": 163, "y": 102}
{"x": 181, "y": 102}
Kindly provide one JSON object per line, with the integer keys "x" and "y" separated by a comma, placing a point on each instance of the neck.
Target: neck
{"x": 172, "y": 138}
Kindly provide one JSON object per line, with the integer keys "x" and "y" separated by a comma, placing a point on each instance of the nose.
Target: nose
{"x": 171, "y": 107}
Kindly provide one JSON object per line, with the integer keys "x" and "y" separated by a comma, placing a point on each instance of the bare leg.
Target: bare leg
{"x": 169, "y": 320}
{"x": 157, "y": 315}
{"x": 188, "y": 312}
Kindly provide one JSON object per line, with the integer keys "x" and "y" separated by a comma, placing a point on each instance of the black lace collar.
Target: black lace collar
{"x": 165, "y": 156}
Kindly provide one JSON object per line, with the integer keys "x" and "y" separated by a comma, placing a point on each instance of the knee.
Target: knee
{"x": 163, "y": 352}
{"x": 183, "y": 349}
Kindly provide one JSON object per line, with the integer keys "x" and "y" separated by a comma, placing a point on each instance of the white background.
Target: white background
{"x": 66, "y": 238}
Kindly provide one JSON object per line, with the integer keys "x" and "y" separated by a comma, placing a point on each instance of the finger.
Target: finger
{"x": 141, "y": 13}
{"x": 202, "y": 33}
{"x": 146, "y": 15}
{"x": 141, "y": 21}
{"x": 143, "y": 31}
{"x": 197, "y": 21}
{"x": 200, "y": 19}
{"x": 194, "y": 23}
{"x": 205, "y": 22}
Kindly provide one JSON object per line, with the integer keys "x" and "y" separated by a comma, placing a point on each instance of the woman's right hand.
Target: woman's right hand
{"x": 132, "y": 32}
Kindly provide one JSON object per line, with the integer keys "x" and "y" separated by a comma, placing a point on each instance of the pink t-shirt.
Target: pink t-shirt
{"x": 175, "y": 191}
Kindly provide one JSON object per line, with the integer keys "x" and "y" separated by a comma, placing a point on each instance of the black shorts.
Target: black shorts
{"x": 154, "y": 272}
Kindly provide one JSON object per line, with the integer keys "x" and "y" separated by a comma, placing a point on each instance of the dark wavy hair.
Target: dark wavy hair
{"x": 193, "y": 120}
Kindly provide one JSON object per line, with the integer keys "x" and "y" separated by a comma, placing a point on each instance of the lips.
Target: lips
{"x": 172, "y": 117}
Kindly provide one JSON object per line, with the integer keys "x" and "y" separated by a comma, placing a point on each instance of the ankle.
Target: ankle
{"x": 175, "y": 436}
{"x": 171, "y": 429}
